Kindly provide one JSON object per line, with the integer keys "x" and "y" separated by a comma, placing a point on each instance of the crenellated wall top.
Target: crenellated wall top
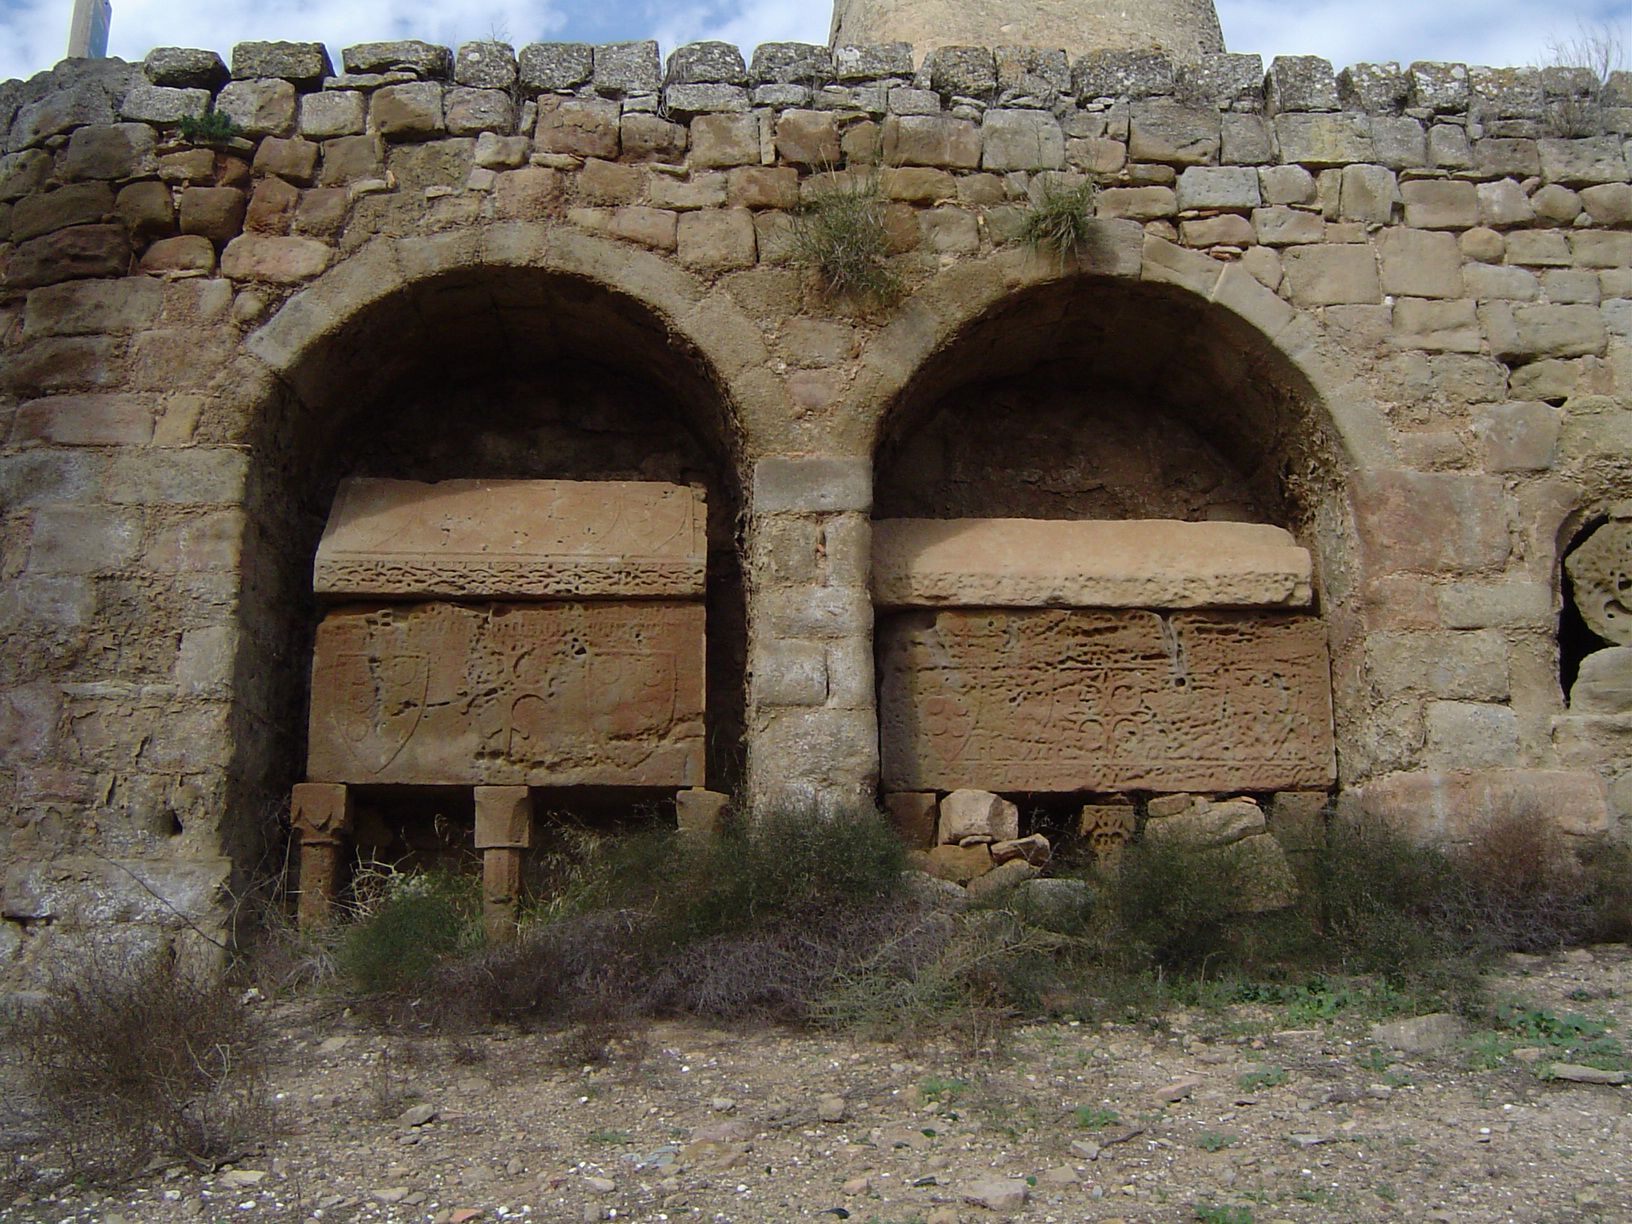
{"x": 875, "y": 80}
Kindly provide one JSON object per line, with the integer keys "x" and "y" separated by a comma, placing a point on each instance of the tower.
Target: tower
{"x": 1184, "y": 29}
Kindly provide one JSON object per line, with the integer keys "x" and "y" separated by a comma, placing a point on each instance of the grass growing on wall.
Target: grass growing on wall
{"x": 839, "y": 233}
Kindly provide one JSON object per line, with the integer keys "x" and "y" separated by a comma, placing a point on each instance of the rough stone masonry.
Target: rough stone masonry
{"x": 1386, "y": 312}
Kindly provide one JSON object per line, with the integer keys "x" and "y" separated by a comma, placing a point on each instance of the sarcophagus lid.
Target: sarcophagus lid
{"x": 513, "y": 539}
{"x": 1055, "y": 563}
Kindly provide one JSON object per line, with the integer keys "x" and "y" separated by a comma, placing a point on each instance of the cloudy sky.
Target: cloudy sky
{"x": 33, "y": 33}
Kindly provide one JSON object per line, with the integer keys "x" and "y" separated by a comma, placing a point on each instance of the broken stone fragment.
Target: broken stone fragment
{"x": 977, "y": 814}
{"x": 1034, "y": 849}
{"x": 1207, "y": 824}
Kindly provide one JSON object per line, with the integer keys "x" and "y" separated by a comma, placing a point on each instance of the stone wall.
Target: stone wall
{"x": 1388, "y": 309}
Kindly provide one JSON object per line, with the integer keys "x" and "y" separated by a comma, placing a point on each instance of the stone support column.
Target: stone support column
{"x": 504, "y": 830}
{"x": 813, "y": 726}
{"x": 321, "y": 814}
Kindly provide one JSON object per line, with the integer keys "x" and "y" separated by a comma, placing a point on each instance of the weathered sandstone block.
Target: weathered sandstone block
{"x": 559, "y": 694}
{"x": 529, "y": 538}
{"x": 969, "y": 816}
{"x": 1604, "y": 683}
{"x": 1600, "y": 576}
{"x": 1104, "y": 701}
{"x": 1155, "y": 563}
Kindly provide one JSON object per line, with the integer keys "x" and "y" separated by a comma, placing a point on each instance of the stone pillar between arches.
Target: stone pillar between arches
{"x": 813, "y": 726}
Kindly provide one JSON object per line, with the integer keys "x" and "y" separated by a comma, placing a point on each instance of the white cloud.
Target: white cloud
{"x": 33, "y": 33}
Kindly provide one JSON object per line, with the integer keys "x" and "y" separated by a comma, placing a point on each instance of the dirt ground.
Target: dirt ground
{"x": 1251, "y": 1115}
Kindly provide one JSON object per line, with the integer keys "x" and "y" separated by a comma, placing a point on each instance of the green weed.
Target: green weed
{"x": 209, "y": 127}
{"x": 1096, "y": 1117}
{"x": 1210, "y": 1213}
{"x": 1060, "y": 221}
{"x": 1260, "y": 1078}
{"x": 839, "y": 233}
{"x": 1215, "y": 1141}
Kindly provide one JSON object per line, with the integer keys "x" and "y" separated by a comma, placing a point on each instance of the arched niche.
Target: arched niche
{"x": 487, "y": 372}
{"x": 1097, "y": 397}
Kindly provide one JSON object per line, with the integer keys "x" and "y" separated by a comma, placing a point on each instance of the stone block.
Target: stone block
{"x": 277, "y": 260}
{"x": 69, "y": 254}
{"x": 1204, "y": 824}
{"x": 1228, "y": 229}
{"x": 1300, "y": 83}
{"x": 583, "y": 127}
{"x": 960, "y": 864}
{"x": 1555, "y": 205}
{"x": 1601, "y": 249}
{"x": 1163, "y": 130}
{"x": 652, "y": 227}
{"x": 1448, "y": 146}
{"x": 812, "y": 485}
{"x": 412, "y": 111}
{"x": 294, "y": 160}
{"x": 1222, "y": 187}
{"x": 1440, "y": 87}
{"x": 189, "y": 255}
{"x": 716, "y": 240}
{"x": 1433, "y": 522}
{"x": 1503, "y": 203}
{"x": 1245, "y": 140}
{"x": 1224, "y": 81}
{"x": 1420, "y": 263}
{"x": 904, "y": 101}
{"x": 59, "y": 111}
{"x": 114, "y": 307}
{"x": 271, "y": 207}
{"x": 504, "y": 817}
{"x": 471, "y": 111}
{"x": 1323, "y": 139}
{"x": 260, "y": 107}
{"x": 1021, "y": 140}
{"x": 1368, "y": 194}
{"x": 648, "y": 138}
{"x": 216, "y": 213}
{"x": 425, "y": 60}
{"x": 724, "y": 140}
{"x": 24, "y": 172}
{"x": 112, "y": 151}
{"x": 931, "y": 140}
{"x": 976, "y": 815}
{"x": 1526, "y": 332}
{"x": 185, "y": 68}
{"x": 83, "y": 540}
{"x": 1136, "y": 203}
{"x": 790, "y": 673}
{"x": 1608, "y": 203}
{"x": 1468, "y": 666}
{"x": 806, "y": 138}
{"x": 975, "y": 668}
{"x": 47, "y": 211}
{"x": 348, "y": 159}
{"x": 85, "y": 420}
{"x": 485, "y": 64}
{"x": 597, "y": 693}
{"x": 1519, "y": 437}
{"x": 1538, "y": 248}
{"x": 1579, "y": 163}
{"x": 304, "y": 64}
{"x": 1282, "y": 226}
{"x": 914, "y": 814}
{"x": 1506, "y": 604}
{"x": 561, "y": 539}
{"x": 701, "y": 813}
{"x": 1398, "y": 142}
{"x": 967, "y": 72}
{"x": 1437, "y": 204}
{"x": 1332, "y": 275}
{"x": 1122, "y": 74}
{"x": 495, "y": 152}
{"x": 791, "y": 63}
{"x": 627, "y": 69}
{"x": 554, "y": 67}
{"x": 1507, "y": 157}
{"x": 1437, "y": 326}
{"x": 704, "y": 63}
{"x": 706, "y": 190}
{"x": 949, "y": 231}
{"x": 337, "y": 112}
{"x": 685, "y": 101}
{"x": 1041, "y": 563}
{"x": 1471, "y": 735}
{"x": 1604, "y": 683}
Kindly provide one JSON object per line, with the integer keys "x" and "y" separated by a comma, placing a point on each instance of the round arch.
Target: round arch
{"x": 504, "y": 352}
